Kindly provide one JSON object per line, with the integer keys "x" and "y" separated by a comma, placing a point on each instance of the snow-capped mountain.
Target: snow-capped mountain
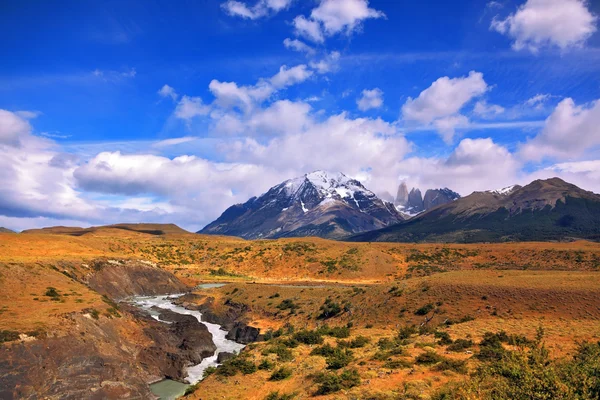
{"x": 505, "y": 191}
{"x": 316, "y": 204}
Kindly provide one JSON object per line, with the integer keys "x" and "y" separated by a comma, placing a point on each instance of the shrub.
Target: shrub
{"x": 52, "y": 293}
{"x": 266, "y": 365}
{"x": 339, "y": 332}
{"x": 237, "y": 364}
{"x": 428, "y": 358}
{"x": 460, "y": 345}
{"x": 308, "y": 337}
{"x": 426, "y": 309}
{"x": 396, "y": 364}
{"x": 452, "y": 365}
{"x": 209, "y": 371}
{"x": 331, "y": 383}
{"x": 444, "y": 337}
{"x": 276, "y": 396}
{"x": 357, "y": 342}
{"x": 406, "y": 332}
{"x": 326, "y": 350}
{"x": 280, "y": 374}
{"x": 282, "y": 352}
{"x": 329, "y": 309}
{"x": 339, "y": 359}
{"x": 288, "y": 304}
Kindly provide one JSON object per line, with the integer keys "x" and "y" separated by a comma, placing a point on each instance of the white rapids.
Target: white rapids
{"x": 194, "y": 372}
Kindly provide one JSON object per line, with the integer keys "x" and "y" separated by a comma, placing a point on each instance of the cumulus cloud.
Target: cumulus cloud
{"x": 441, "y": 102}
{"x": 298, "y": 45}
{"x": 540, "y": 23}
{"x": 168, "y": 91}
{"x": 290, "y": 76}
{"x": 370, "y": 99}
{"x": 329, "y": 63}
{"x": 12, "y": 128}
{"x": 190, "y": 107}
{"x": 332, "y": 17}
{"x": 475, "y": 165}
{"x": 487, "y": 111}
{"x": 308, "y": 29}
{"x": 569, "y": 132}
{"x": 261, "y": 9}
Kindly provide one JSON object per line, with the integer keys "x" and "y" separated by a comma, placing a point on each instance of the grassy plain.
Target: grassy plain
{"x": 378, "y": 289}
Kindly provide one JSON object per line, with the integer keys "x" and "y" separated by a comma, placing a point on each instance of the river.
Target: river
{"x": 168, "y": 389}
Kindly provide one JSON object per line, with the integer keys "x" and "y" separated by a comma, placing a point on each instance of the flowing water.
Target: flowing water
{"x": 168, "y": 389}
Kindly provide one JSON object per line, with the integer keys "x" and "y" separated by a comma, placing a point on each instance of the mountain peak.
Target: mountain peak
{"x": 319, "y": 203}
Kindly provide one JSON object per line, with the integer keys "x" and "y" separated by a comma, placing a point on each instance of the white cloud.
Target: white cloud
{"x": 334, "y": 16}
{"x": 329, "y": 63}
{"x": 308, "y": 29}
{"x": 569, "y": 132}
{"x": 12, "y": 128}
{"x": 190, "y": 107}
{"x": 262, "y": 8}
{"x": 298, "y": 45}
{"x": 174, "y": 141}
{"x": 475, "y": 165}
{"x": 290, "y": 76}
{"x": 168, "y": 91}
{"x": 337, "y": 16}
{"x": 539, "y": 23}
{"x": 538, "y": 101}
{"x": 488, "y": 111}
{"x": 446, "y": 126}
{"x": 440, "y": 103}
{"x": 370, "y": 99}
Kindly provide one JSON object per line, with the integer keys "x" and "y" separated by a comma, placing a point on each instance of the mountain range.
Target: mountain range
{"x": 550, "y": 209}
{"x": 323, "y": 204}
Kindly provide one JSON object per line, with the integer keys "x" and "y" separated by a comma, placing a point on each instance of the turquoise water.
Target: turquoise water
{"x": 210, "y": 285}
{"x": 168, "y": 389}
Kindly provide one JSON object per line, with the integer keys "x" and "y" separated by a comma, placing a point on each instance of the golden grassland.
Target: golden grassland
{"x": 463, "y": 290}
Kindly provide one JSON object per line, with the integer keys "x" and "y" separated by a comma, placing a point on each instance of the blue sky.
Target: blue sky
{"x": 172, "y": 111}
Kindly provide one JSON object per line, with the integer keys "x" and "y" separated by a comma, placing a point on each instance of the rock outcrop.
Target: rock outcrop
{"x": 119, "y": 279}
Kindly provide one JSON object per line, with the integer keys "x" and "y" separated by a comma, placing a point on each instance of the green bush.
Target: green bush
{"x": 426, "y": 309}
{"x": 331, "y": 383}
{"x": 460, "y": 345}
{"x": 529, "y": 373}
{"x": 266, "y": 365}
{"x": 237, "y": 364}
{"x": 339, "y": 332}
{"x": 282, "y": 352}
{"x": 339, "y": 359}
{"x": 448, "y": 364}
{"x": 329, "y": 309}
{"x": 396, "y": 364}
{"x": 308, "y": 337}
{"x": 276, "y": 396}
{"x": 357, "y": 342}
{"x": 428, "y": 358}
{"x": 280, "y": 374}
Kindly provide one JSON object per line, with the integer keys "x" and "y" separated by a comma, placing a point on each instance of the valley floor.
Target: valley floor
{"x": 409, "y": 319}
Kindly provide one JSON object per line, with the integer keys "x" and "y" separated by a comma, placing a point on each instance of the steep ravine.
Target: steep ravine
{"x": 101, "y": 357}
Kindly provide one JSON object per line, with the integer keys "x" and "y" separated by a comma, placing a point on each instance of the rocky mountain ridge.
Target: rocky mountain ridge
{"x": 550, "y": 209}
{"x": 323, "y": 204}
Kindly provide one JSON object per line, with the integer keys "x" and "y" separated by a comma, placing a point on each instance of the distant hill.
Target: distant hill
{"x": 544, "y": 210}
{"x": 6, "y": 230}
{"x": 328, "y": 205}
{"x": 151, "y": 229}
